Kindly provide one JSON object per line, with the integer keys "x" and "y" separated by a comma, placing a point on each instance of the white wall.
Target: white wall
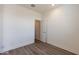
{"x": 1, "y": 10}
{"x": 63, "y": 27}
{"x": 18, "y": 26}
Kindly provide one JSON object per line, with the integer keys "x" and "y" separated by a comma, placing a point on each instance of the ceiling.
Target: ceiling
{"x": 41, "y": 8}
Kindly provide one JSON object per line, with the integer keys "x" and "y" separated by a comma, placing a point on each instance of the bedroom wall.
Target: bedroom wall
{"x": 63, "y": 27}
{"x": 1, "y": 12}
{"x": 18, "y": 26}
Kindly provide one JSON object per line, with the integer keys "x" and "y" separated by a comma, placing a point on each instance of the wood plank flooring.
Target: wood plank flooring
{"x": 38, "y": 48}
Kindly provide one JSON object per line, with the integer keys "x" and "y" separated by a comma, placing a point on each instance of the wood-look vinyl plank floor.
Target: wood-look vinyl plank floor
{"x": 38, "y": 48}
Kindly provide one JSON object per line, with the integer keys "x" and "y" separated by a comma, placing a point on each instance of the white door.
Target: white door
{"x": 44, "y": 31}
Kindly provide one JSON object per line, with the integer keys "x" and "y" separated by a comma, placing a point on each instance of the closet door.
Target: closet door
{"x": 44, "y": 30}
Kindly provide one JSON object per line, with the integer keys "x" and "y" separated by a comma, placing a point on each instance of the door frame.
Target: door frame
{"x": 40, "y": 28}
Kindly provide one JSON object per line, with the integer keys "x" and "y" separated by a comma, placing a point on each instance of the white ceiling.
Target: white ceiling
{"x": 41, "y": 8}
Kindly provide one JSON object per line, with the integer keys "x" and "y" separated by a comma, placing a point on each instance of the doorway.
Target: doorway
{"x": 37, "y": 30}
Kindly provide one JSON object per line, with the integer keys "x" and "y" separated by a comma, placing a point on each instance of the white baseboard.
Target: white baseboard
{"x": 15, "y": 46}
{"x": 64, "y": 48}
